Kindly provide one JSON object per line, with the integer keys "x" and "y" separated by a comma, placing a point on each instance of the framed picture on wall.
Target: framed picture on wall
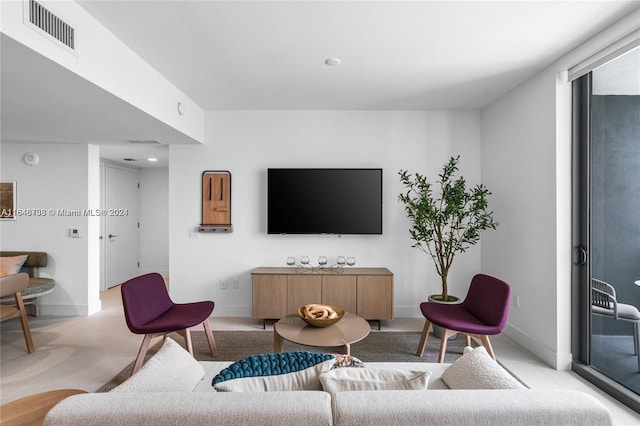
{"x": 8, "y": 200}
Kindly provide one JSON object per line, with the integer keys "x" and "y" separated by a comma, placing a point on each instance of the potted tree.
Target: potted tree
{"x": 448, "y": 223}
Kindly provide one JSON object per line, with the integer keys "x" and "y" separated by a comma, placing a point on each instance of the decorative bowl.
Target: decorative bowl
{"x": 318, "y": 322}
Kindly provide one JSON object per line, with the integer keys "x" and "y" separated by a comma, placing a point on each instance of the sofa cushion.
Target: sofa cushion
{"x": 171, "y": 369}
{"x": 38, "y": 286}
{"x": 477, "y": 370}
{"x": 491, "y": 407}
{"x": 285, "y": 371}
{"x": 11, "y": 264}
{"x": 357, "y": 379}
{"x": 195, "y": 409}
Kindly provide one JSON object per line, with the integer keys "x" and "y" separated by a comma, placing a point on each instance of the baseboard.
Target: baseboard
{"x": 412, "y": 311}
{"x": 232, "y": 311}
{"x": 69, "y": 310}
{"x": 546, "y": 354}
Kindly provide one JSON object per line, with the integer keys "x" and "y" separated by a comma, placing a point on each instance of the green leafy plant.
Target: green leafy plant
{"x": 448, "y": 223}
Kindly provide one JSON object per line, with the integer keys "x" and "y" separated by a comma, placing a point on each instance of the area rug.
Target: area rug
{"x": 378, "y": 346}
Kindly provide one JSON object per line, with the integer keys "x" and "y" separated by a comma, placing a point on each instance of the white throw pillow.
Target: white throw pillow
{"x": 477, "y": 370}
{"x": 355, "y": 379}
{"x": 171, "y": 369}
{"x": 12, "y": 264}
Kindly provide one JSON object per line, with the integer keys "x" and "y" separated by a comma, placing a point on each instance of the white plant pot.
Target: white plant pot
{"x": 437, "y": 330}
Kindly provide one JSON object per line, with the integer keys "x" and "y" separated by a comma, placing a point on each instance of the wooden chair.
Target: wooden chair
{"x": 13, "y": 285}
{"x": 605, "y": 304}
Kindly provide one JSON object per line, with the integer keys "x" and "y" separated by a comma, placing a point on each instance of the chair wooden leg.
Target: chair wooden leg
{"x": 186, "y": 335}
{"x": 423, "y": 338}
{"x": 446, "y": 333}
{"x": 212, "y": 342}
{"x": 487, "y": 345}
{"x": 467, "y": 339}
{"x": 146, "y": 341}
{"x": 26, "y": 331}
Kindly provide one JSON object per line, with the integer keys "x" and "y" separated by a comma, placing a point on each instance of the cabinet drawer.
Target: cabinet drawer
{"x": 375, "y": 297}
{"x": 340, "y": 291}
{"x": 303, "y": 289}
{"x": 269, "y": 296}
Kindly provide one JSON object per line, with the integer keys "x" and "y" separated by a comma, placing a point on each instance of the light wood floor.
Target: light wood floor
{"x": 86, "y": 352}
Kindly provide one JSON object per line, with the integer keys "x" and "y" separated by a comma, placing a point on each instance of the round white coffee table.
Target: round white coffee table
{"x": 350, "y": 329}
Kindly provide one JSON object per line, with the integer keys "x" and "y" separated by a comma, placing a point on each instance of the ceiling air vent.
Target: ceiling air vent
{"x": 43, "y": 20}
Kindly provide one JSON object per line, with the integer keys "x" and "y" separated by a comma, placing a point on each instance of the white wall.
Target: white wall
{"x": 519, "y": 165}
{"x": 526, "y": 161}
{"x": 247, "y": 143}
{"x": 67, "y": 177}
{"x": 154, "y": 220}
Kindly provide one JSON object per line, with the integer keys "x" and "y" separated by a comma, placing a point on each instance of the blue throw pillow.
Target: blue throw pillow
{"x": 277, "y": 371}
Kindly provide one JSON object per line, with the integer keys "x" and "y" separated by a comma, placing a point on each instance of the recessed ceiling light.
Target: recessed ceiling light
{"x": 333, "y": 62}
{"x": 153, "y": 160}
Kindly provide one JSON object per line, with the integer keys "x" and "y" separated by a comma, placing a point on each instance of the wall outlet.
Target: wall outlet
{"x": 223, "y": 284}
{"x": 235, "y": 283}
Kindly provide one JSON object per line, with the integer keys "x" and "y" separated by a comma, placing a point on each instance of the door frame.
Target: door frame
{"x": 103, "y": 222}
{"x": 581, "y": 221}
{"x": 581, "y": 326}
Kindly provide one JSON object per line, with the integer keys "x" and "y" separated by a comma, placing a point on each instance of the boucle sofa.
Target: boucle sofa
{"x": 171, "y": 390}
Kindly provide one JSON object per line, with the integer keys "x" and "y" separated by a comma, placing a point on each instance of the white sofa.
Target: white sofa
{"x": 169, "y": 392}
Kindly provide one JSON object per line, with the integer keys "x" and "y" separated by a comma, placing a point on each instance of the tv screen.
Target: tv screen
{"x": 324, "y": 201}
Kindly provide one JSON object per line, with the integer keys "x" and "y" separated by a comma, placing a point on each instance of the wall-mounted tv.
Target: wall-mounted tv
{"x": 324, "y": 201}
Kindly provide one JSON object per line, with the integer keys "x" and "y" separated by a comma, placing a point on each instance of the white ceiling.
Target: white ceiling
{"x": 396, "y": 55}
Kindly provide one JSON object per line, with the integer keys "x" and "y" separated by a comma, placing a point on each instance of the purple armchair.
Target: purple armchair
{"x": 483, "y": 313}
{"x": 149, "y": 310}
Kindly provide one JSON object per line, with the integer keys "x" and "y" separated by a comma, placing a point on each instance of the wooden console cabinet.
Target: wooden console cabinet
{"x": 366, "y": 292}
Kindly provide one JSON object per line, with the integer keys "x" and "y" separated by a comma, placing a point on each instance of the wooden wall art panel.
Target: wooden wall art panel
{"x": 216, "y": 201}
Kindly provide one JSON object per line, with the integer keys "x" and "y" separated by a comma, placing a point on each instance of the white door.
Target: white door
{"x": 120, "y": 238}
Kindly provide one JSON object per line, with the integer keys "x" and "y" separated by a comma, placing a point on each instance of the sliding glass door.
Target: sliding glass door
{"x": 607, "y": 226}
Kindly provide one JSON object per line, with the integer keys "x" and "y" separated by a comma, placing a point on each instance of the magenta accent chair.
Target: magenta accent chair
{"x": 149, "y": 310}
{"x": 483, "y": 313}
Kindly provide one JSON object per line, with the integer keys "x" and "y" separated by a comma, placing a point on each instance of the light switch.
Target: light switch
{"x": 74, "y": 233}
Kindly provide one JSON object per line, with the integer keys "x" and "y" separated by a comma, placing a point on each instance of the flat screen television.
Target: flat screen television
{"x": 324, "y": 201}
